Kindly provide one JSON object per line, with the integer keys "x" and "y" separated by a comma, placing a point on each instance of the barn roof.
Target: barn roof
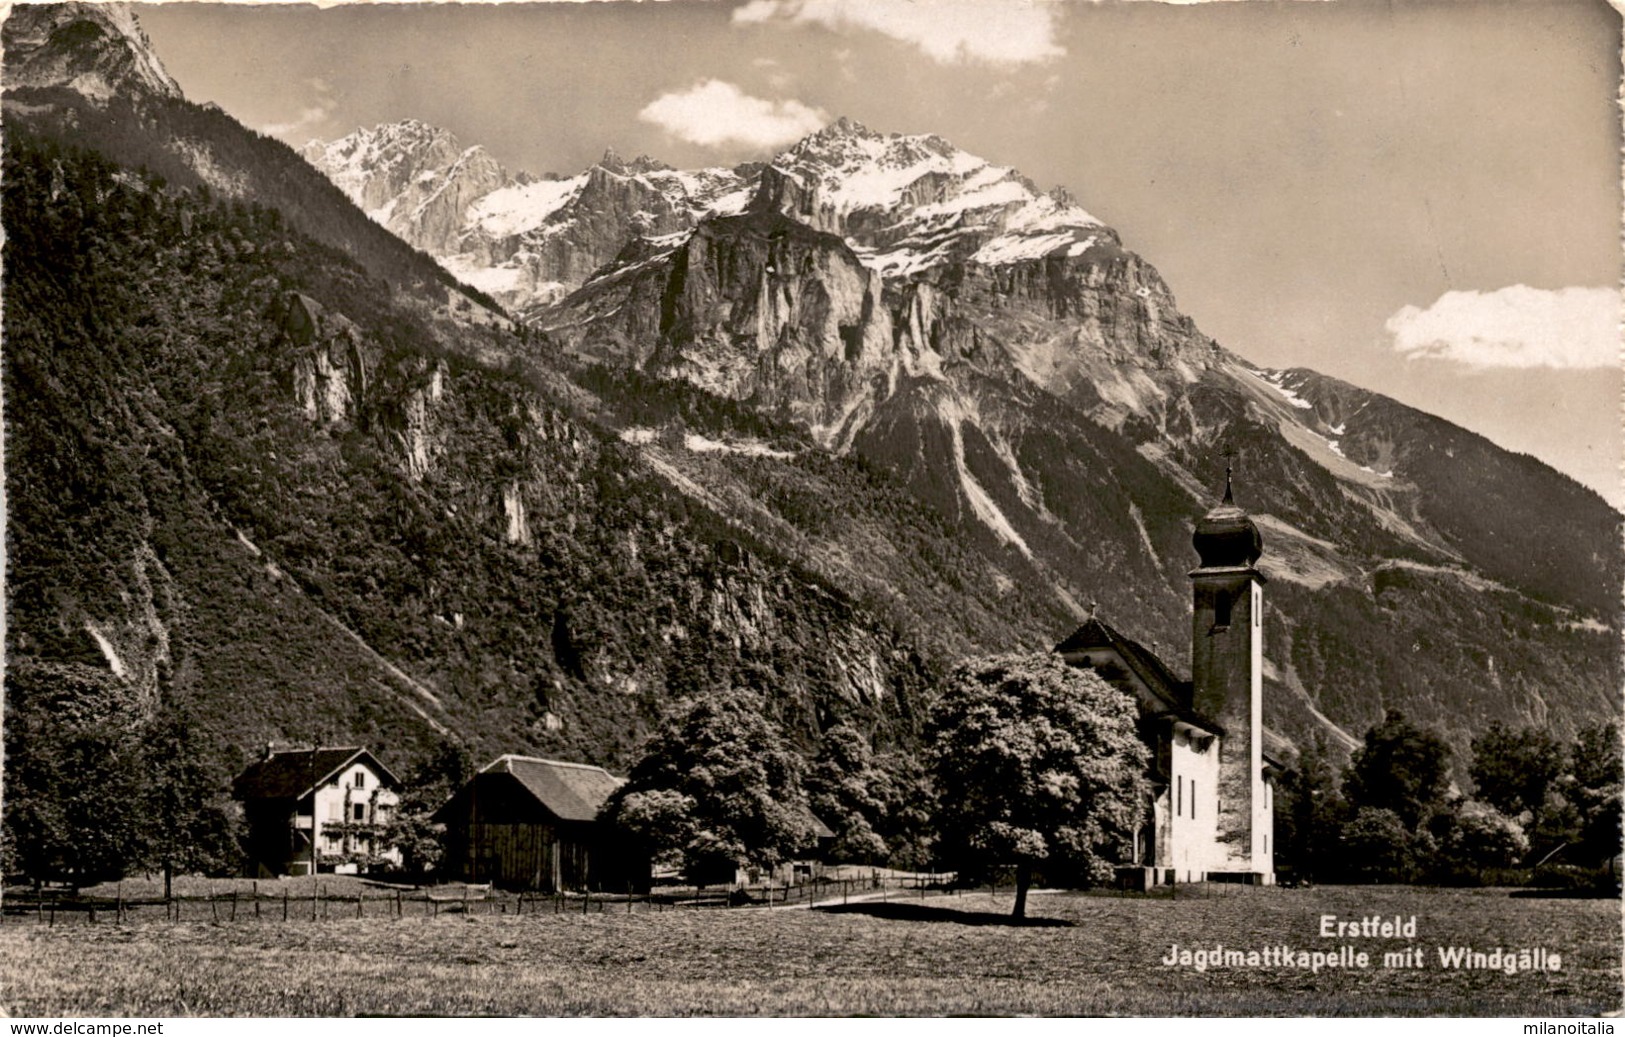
{"x": 293, "y": 773}
{"x": 571, "y": 791}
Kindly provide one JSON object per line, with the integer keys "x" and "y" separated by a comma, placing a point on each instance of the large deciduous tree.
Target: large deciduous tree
{"x": 430, "y": 784}
{"x": 851, "y": 794}
{"x": 1401, "y": 768}
{"x": 1595, "y": 791}
{"x": 1514, "y": 769}
{"x": 1038, "y": 766}
{"x": 1310, "y": 815}
{"x": 716, "y": 789}
{"x": 192, "y": 823}
{"x": 76, "y": 794}
{"x": 878, "y": 803}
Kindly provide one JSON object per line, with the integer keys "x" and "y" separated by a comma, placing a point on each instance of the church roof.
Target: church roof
{"x": 1226, "y": 536}
{"x": 1173, "y": 694}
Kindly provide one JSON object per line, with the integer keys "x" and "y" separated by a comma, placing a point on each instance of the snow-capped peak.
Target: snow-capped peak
{"x": 416, "y": 179}
{"x": 911, "y": 202}
{"x": 905, "y": 203}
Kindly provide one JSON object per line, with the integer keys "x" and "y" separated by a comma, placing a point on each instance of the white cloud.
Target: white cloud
{"x": 713, "y": 113}
{"x": 299, "y": 128}
{"x": 1516, "y": 326}
{"x": 1002, "y": 32}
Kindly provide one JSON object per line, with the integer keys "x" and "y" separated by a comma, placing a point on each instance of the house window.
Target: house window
{"x": 360, "y": 811}
{"x": 1193, "y": 797}
{"x": 1179, "y": 794}
{"x": 360, "y": 779}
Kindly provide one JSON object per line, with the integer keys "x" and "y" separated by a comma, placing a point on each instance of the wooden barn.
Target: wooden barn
{"x": 526, "y": 823}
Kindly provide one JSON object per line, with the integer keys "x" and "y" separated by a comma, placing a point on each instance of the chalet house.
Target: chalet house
{"x": 1211, "y": 814}
{"x": 330, "y": 804}
{"x": 527, "y": 823}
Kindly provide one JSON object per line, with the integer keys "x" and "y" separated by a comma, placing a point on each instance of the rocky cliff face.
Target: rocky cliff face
{"x": 95, "y": 49}
{"x": 1002, "y": 352}
{"x": 413, "y": 178}
{"x": 820, "y": 427}
{"x": 523, "y": 240}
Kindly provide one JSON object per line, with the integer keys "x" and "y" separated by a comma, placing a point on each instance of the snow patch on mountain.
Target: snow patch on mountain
{"x": 905, "y": 204}
{"x": 698, "y": 444}
{"x": 518, "y": 208}
{"x": 954, "y": 415}
{"x": 908, "y": 203}
{"x": 1277, "y": 381}
{"x": 748, "y": 447}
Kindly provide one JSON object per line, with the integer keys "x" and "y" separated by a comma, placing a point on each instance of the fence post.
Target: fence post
{"x": 586, "y": 901}
{"x": 214, "y": 909}
{"x": 284, "y": 903}
{"x": 360, "y": 899}
{"x": 234, "y": 904}
{"x": 397, "y": 903}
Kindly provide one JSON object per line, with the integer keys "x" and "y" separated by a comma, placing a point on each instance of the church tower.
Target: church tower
{"x": 1227, "y": 684}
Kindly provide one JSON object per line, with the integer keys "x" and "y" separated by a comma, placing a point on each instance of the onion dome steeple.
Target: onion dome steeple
{"x": 1226, "y": 536}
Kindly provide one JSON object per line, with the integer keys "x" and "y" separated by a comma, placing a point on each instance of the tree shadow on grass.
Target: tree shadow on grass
{"x": 901, "y": 912}
{"x": 1565, "y": 894}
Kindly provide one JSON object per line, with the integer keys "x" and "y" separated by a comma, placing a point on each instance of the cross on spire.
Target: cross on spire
{"x": 1229, "y": 457}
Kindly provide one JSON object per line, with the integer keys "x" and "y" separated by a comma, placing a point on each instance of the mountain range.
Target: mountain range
{"x": 375, "y": 441}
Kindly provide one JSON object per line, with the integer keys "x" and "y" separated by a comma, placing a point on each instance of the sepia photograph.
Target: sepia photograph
{"x": 812, "y": 508}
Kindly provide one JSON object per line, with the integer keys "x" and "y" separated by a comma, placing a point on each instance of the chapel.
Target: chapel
{"x": 1211, "y": 815}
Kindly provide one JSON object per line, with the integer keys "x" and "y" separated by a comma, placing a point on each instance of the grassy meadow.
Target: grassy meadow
{"x": 1084, "y": 955}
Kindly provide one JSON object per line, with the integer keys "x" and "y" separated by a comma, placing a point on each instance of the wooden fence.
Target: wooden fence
{"x": 317, "y": 902}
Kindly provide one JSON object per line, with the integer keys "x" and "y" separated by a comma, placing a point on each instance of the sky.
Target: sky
{"x": 1420, "y": 198}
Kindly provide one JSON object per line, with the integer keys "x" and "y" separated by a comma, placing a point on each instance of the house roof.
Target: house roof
{"x": 1173, "y": 694}
{"x": 571, "y": 791}
{"x": 293, "y": 773}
